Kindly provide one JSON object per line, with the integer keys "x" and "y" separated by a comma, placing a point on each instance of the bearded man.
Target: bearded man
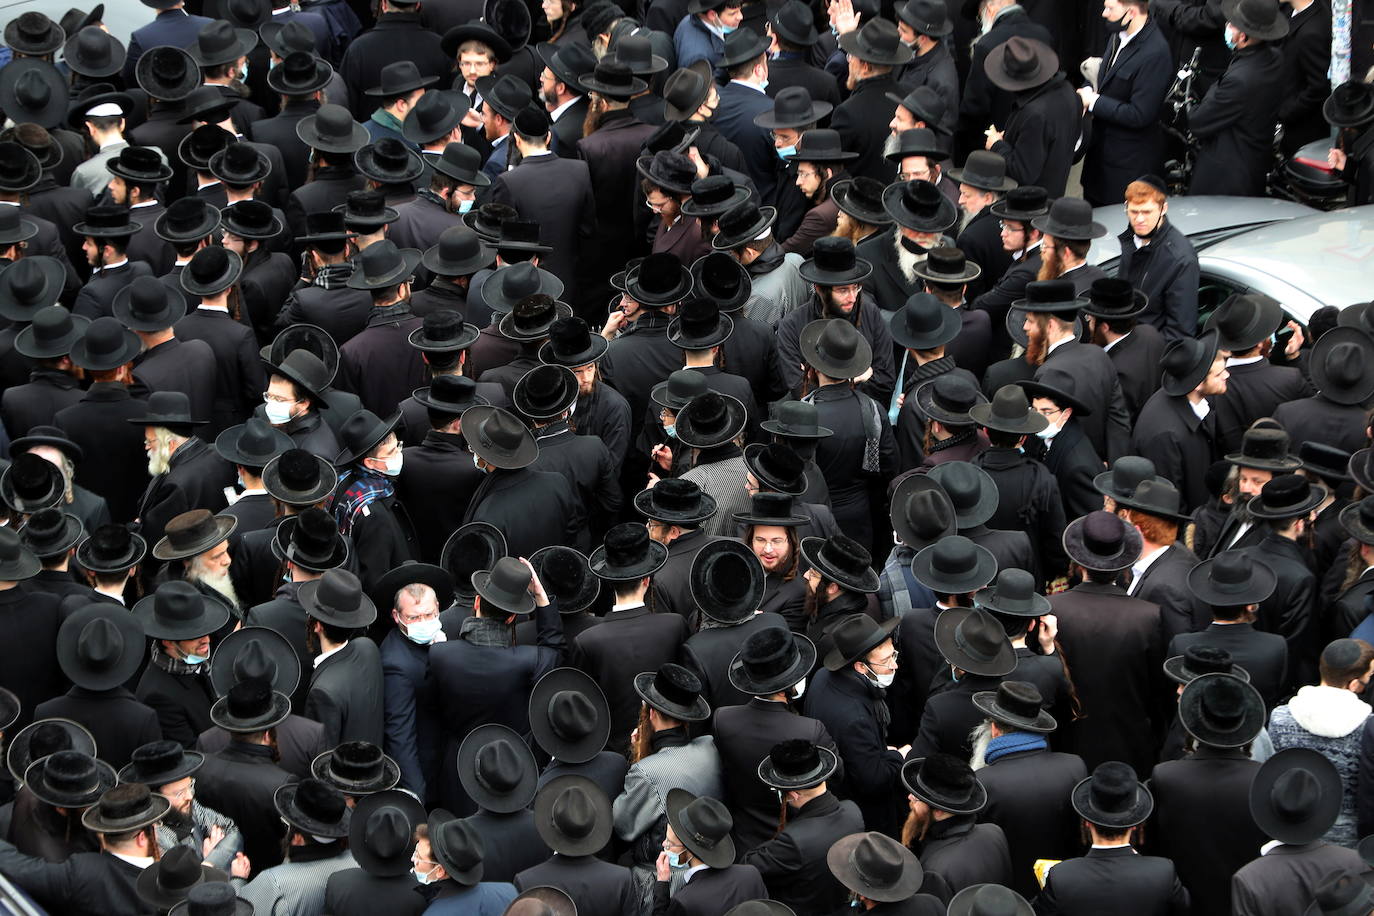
{"x": 199, "y": 542}
{"x": 1068, "y": 231}
{"x": 186, "y": 472}
{"x": 922, "y": 214}
{"x": 943, "y": 801}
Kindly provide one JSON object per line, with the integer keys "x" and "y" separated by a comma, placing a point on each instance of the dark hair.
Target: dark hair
{"x": 742, "y": 69}
{"x": 386, "y": 292}
{"x": 220, "y": 71}
{"x": 1341, "y": 663}
{"x": 1000, "y": 439}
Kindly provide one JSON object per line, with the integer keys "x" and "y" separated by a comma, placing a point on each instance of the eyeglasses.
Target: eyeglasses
{"x": 271, "y": 398}
{"x": 188, "y": 792}
{"x": 888, "y": 662}
{"x": 1049, "y": 413}
{"x": 1011, "y": 227}
{"x": 671, "y": 846}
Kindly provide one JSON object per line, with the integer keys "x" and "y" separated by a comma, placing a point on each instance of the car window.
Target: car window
{"x": 1212, "y": 292}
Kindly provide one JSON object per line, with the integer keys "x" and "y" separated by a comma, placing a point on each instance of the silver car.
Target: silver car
{"x": 1302, "y": 257}
{"x": 121, "y": 16}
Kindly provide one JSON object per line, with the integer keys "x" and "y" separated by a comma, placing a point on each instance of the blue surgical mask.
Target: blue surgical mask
{"x": 423, "y": 632}
{"x": 465, "y": 205}
{"x": 763, "y": 85}
{"x": 243, "y": 74}
{"x": 671, "y": 431}
{"x": 785, "y": 151}
{"x": 195, "y": 659}
{"x": 727, "y": 29}
{"x": 1229, "y": 36}
{"x": 675, "y": 860}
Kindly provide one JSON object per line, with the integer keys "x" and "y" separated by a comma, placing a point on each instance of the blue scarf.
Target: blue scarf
{"x": 1014, "y": 743}
{"x": 365, "y": 487}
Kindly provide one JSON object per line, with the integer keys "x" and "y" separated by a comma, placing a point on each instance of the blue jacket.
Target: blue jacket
{"x": 177, "y": 28}
{"x": 734, "y": 118}
{"x": 694, "y": 42}
{"x": 488, "y": 898}
{"x": 414, "y": 730}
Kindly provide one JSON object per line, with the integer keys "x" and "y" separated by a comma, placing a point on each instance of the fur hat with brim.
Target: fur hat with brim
{"x": 69, "y": 779}
{"x": 771, "y": 660}
{"x": 1016, "y": 706}
{"x": 674, "y": 691}
{"x": 628, "y": 554}
{"x": 1221, "y": 710}
{"x": 1102, "y": 542}
{"x": 165, "y": 884}
{"x": 356, "y": 768}
{"x": 946, "y": 783}
{"x": 834, "y": 262}
{"x": 473, "y": 547}
{"x": 1112, "y": 797}
{"x": 797, "y": 764}
{"x": 726, "y": 581}
{"x": 298, "y": 478}
{"x": 41, "y": 738}
{"x": 313, "y": 807}
{"x": 160, "y": 763}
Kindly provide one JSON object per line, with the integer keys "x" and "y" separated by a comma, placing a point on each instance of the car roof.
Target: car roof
{"x": 1204, "y": 219}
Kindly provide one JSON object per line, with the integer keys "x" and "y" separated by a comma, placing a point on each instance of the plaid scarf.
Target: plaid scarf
{"x": 363, "y": 488}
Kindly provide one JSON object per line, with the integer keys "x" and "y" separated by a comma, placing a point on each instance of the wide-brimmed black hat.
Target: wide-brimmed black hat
{"x": 1016, "y": 705}
{"x": 167, "y": 73}
{"x": 954, "y": 565}
{"x": 949, "y": 397}
{"x": 51, "y": 334}
{"x": 516, "y": 234}
{"x": 125, "y": 808}
{"x": 332, "y": 129}
{"x": 876, "y": 42}
{"x": 712, "y": 196}
{"x": 1112, "y": 299}
{"x": 1296, "y": 796}
{"x": 972, "y": 640}
{"x": 30, "y": 285}
{"x": 457, "y": 845}
{"x": 924, "y": 323}
{"x": 971, "y": 490}
{"x": 771, "y": 660}
{"x": 674, "y": 691}
{"x": 842, "y": 560}
{"x": 497, "y": 769}
{"x": 51, "y": 437}
{"x": 178, "y": 611}
{"x": 1287, "y": 496}
{"x": 1112, "y": 797}
{"x": 1230, "y": 579}
{"x": 33, "y": 34}
{"x": 926, "y": 17}
{"x": 795, "y": 420}
{"x": 462, "y": 163}
{"x": 255, "y": 653}
{"x": 1265, "y": 447}
{"x": 111, "y": 549}
{"x": 250, "y": 706}
{"x": 1070, "y": 218}
{"x": 50, "y": 533}
{"x": 710, "y": 419}
{"x": 1155, "y": 496}
{"x": 240, "y": 165}
{"x": 545, "y": 392}
{"x": 1351, "y": 104}
{"x": 613, "y": 79}
{"x": 1013, "y": 595}
{"x": 835, "y": 348}
{"x": 634, "y": 49}
{"x": 473, "y": 547}
{"x": 776, "y": 467}
{"x": 300, "y": 73}
{"x": 916, "y": 141}
{"x": 628, "y": 554}
{"x": 794, "y": 108}
{"x": 1102, "y": 542}
{"x": 436, "y": 115}
{"x": 507, "y": 285}
{"x": 139, "y": 165}
{"x": 499, "y": 438}
{"x": 875, "y": 866}
{"x": 1259, "y": 19}
{"x": 741, "y": 46}
{"x": 1341, "y": 893}
{"x": 661, "y": 279}
{"x": 1186, "y": 363}
{"x": 158, "y": 763}
{"x": 833, "y": 262}
{"x": 69, "y": 778}
{"x": 1054, "y": 297}
{"x": 1125, "y": 474}
{"x": 100, "y": 646}
{"x": 1330, "y": 464}
{"x": 33, "y": 91}
{"x": 1021, "y": 63}
{"x": 1245, "y": 320}
{"x": 458, "y": 253}
{"x": 187, "y": 220}
{"x": 569, "y": 716}
{"x": 743, "y": 223}
{"x": 568, "y": 61}
{"x": 920, "y": 206}
{"x": 337, "y": 599}
{"x": 196, "y": 148}
{"x": 948, "y": 266}
{"x": 167, "y": 882}
{"x": 675, "y": 501}
{"x": 313, "y": 807}
{"x": 571, "y": 343}
{"x": 1221, "y": 710}
{"x": 573, "y": 815}
{"x": 685, "y": 91}
{"x": 719, "y": 277}
{"x": 31, "y": 484}
{"x": 218, "y": 42}
{"x": 252, "y": 444}
{"x": 797, "y": 764}
{"x": 192, "y": 533}
{"x": 388, "y": 161}
{"x": 921, "y": 513}
{"x": 298, "y": 478}
{"x": 310, "y": 541}
{"x": 381, "y": 833}
{"x": 989, "y": 900}
{"x": 356, "y": 768}
{"x": 40, "y": 738}
{"x": 984, "y": 170}
{"x": 945, "y": 783}
{"x": 532, "y": 317}
{"x": 505, "y": 587}
{"x": 1009, "y": 411}
{"x": 821, "y": 145}
{"x": 566, "y": 576}
{"x": 107, "y": 221}
{"x": 307, "y": 372}
{"x": 361, "y": 433}
{"x": 726, "y": 581}
{"x": 147, "y": 304}
{"x": 1342, "y": 366}
{"x": 703, "y": 826}
{"x": 794, "y": 24}
{"x": 476, "y": 30}
{"x": 1022, "y": 205}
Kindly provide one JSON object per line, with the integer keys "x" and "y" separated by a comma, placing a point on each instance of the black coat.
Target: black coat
{"x": 1109, "y": 425}
{"x": 791, "y": 68}
{"x": 1042, "y": 135}
{"x": 330, "y": 188}
{"x": 1306, "y": 59}
{"x": 1006, "y": 290}
{"x": 49, "y": 242}
{"x": 1264, "y": 656}
{"x": 383, "y": 539}
{"x": 1234, "y": 123}
{"x": 436, "y": 484}
{"x": 793, "y": 862}
{"x": 144, "y": 245}
{"x": 182, "y": 702}
{"x": 512, "y": 843}
{"x": 983, "y": 103}
{"x": 744, "y": 735}
{"x": 88, "y": 882}
{"x": 1316, "y": 419}
{"x": 861, "y": 121}
{"x": 1170, "y": 434}
{"x": 1029, "y": 501}
{"x": 195, "y": 479}
{"x": 567, "y": 127}
{"x": 847, "y": 412}
{"x": 533, "y": 508}
{"x": 710, "y": 651}
{"x": 887, "y": 287}
{"x": 1351, "y": 606}
{"x": 299, "y": 742}
{"x": 96, "y": 299}
{"x": 1116, "y": 881}
{"x": 1112, "y": 645}
{"x": 285, "y": 614}
{"x": 1127, "y": 140}
{"x": 1073, "y": 462}
{"x": 1292, "y": 610}
{"x": 594, "y": 885}
{"x": 870, "y": 321}
{"x": 1254, "y": 390}
{"x": 586, "y": 464}
{"x": 64, "y": 207}
{"x": 420, "y": 222}
{"x": 239, "y": 782}
{"x": 1285, "y": 879}
{"x": 1166, "y": 271}
{"x": 950, "y": 716}
{"x": 28, "y": 657}
{"x": 239, "y": 377}
{"x": 559, "y": 192}
{"x": 343, "y": 694}
{"x": 187, "y": 366}
{"x": 354, "y": 892}
{"x": 710, "y": 892}
{"x": 415, "y": 425}
{"x": 266, "y": 282}
{"x": 637, "y": 360}
{"x": 97, "y": 424}
{"x": 118, "y": 722}
{"x": 936, "y": 69}
{"x": 414, "y": 729}
{"x": 621, "y": 646}
{"x": 37, "y": 402}
{"x": 342, "y": 312}
{"x": 280, "y": 132}
{"x": 981, "y": 242}
{"x": 396, "y": 36}
{"x": 1028, "y": 797}
{"x": 610, "y": 154}
{"x": 161, "y": 130}
{"x": 734, "y": 118}
{"x": 379, "y": 365}
{"x": 1165, "y": 583}
{"x": 848, "y": 706}
{"x": 606, "y": 414}
{"x": 965, "y": 853}
{"x": 1013, "y": 549}
{"x": 1136, "y": 358}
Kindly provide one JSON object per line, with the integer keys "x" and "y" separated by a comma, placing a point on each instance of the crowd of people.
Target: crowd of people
{"x": 491, "y": 459}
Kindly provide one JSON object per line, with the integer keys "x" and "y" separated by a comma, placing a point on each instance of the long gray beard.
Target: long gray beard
{"x": 159, "y": 459}
{"x": 219, "y": 581}
{"x": 980, "y": 737}
{"x": 907, "y": 261}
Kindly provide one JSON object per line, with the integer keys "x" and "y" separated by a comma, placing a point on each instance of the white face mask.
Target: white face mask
{"x": 277, "y": 413}
{"x": 393, "y": 465}
{"x": 798, "y": 689}
{"x": 882, "y": 680}
{"x": 424, "y": 877}
{"x": 477, "y": 463}
{"x": 1049, "y": 432}
{"x": 423, "y": 631}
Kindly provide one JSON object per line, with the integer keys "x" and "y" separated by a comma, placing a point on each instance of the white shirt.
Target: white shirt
{"x": 558, "y": 112}
{"x": 118, "y": 596}
{"x": 687, "y": 875}
{"x": 323, "y": 655}
{"x": 115, "y": 264}
{"x": 1270, "y": 847}
{"x": 753, "y": 86}
{"x": 139, "y": 861}
{"x": 1201, "y": 408}
{"x": 627, "y": 607}
{"x": 221, "y": 308}
{"x": 141, "y": 205}
{"x": 1107, "y": 348}
{"x": 1060, "y": 343}
{"x": 1140, "y": 566}
{"x": 1242, "y": 361}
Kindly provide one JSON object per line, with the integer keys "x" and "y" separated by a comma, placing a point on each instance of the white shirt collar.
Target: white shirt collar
{"x": 141, "y": 205}
{"x": 1242, "y": 360}
{"x": 687, "y": 875}
{"x": 557, "y": 112}
{"x": 1107, "y": 347}
{"x": 1270, "y": 847}
{"x": 115, "y": 264}
{"x": 1059, "y": 343}
{"x": 1201, "y": 408}
{"x": 117, "y": 141}
{"x": 1143, "y": 564}
{"x": 140, "y": 861}
{"x": 751, "y": 86}
{"x": 118, "y": 596}
{"x": 323, "y": 655}
{"x": 627, "y": 607}
{"x": 1125, "y": 39}
{"x": 214, "y": 308}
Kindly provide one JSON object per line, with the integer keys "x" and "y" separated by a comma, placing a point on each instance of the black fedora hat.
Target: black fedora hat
{"x": 702, "y": 824}
{"x": 743, "y": 223}
{"x": 69, "y": 779}
{"x": 949, "y": 397}
{"x": 219, "y": 42}
{"x": 1341, "y": 894}
{"x": 472, "y": 548}
{"x": 875, "y": 866}
{"x": 1016, "y": 705}
{"x": 111, "y": 549}
{"x": 1021, "y": 63}
{"x": 40, "y": 738}
{"x": 1070, "y": 218}
{"x": 52, "y": 334}
{"x": 158, "y": 763}
{"x": 679, "y": 389}
{"x": 797, "y": 764}
{"x": 1287, "y": 496}
{"x": 166, "y": 883}
{"x": 250, "y": 706}
{"x": 924, "y": 323}
{"x": 313, "y": 807}
{"x": 497, "y": 769}
{"x": 381, "y": 833}
{"x": 1330, "y": 464}
{"x": 634, "y": 49}
{"x": 167, "y": 73}
{"x": 949, "y": 266}
{"x": 30, "y": 285}
{"x": 613, "y": 79}
{"x": 545, "y": 392}
{"x": 206, "y": 105}
{"x": 1009, "y": 411}
{"x": 1054, "y": 297}
{"x": 572, "y": 344}
{"x": 771, "y": 660}
{"x": 33, "y": 91}
{"x": 989, "y": 900}
{"x": 505, "y": 94}
{"x": 94, "y": 52}
{"x": 926, "y": 17}
{"x": 833, "y": 262}
{"x": 388, "y": 161}
{"x": 1013, "y": 595}
{"x": 49, "y": 436}
{"x": 1112, "y": 797}
{"x": 1296, "y": 796}
{"x": 776, "y": 467}
{"x": 1102, "y": 542}
{"x": 310, "y": 540}
{"x": 954, "y": 565}
{"x": 50, "y": 533}
{"x": 567, "y": 577}
{"x": 305, "y": 337}
{"x": 1221, "y": 710}
{"x": 458, "y": 253}
{"x": 984, "y": 170}
{"x": 300, "y": 73}
{"x": 675, "y": 501}
{"x": 1125, "y": 474}
{"x": 531, "y": 318}
{"x": 383, "y": 265}
{"x": 139, "y": 164}
{"x": 793, "y": 108}
{"x": 970, "y": 490}
{"x": 726, "y": 581}
{"x": 1265, "y": 447}
{"x": 450, "y": 395}
{"x": 178, "y": 611}
{"x": 919, "y": 206}
{"x": 741, "y": 46}
{"x": 505, "y": 587}
{"x": 921, "y": 513}
{"x": 876, "y": 42}
{"x": 457, "y": 845}
{"x": 307, "y": 372}
{"x": 926, "y": 106}
{"x": 252, "y": 444}
{"x": 842, "y": 560}
{"x": 627, "y": 554}
{"x": 1186, "y": 363}
{"x": 945, "y": 783}
{"x": 567, "y": 61}
{"x": 239, "y": 164}
{"x": 1258, "y": 19}
{"x": 794, "y": 24}
{"x": 356, "y": 768}
{"x": 573, "y": 815}
{"x": 1112, "y": 299}
{"x": 196, "y": 148}
{"x": 33, "y": 34}
{"x": 1230, "y": 579}
{"x": 713, "y": 196}
{"x": 1244, "y": 321}
{"x": 332, "y": 129}
{"x": 191, "y": 533}
{"x": 916, "y": 141}
{"x": 674, "y": 691}
{"x": 187, "y": 220}
{"x": 337, "y": 599}
{"x": 516, "y": 234}
{"x": 462, "y": 163}
{"x": 711, "y": 419}
{"x": 31, "y": 484}
{"x": 854, "y": 636}
{"x": 1155, "y": 496}
{"x": 298, "y": 478}
{"x": 499, "y": 438}
{"x": 1351, "y": 104}
{"x": 1342, "y": 366}
{"x": 686, "y": 90}
{"x": 100, "y": 646}
{"x": 107, "y": 221}
{"x": 511, "y": 283}
{"x": 125, "y": 808}
{"x": 149, "y": 305}
{"x": 835, "y": 348}
{"x": 661, "y": 279}
{"x": 412, "y": 572}
{"x": 436, "y": 115}
{"x": 476, "y": 30}
{"x": 973, "y": 640}
{"x": 443, "y": 331}
{"x": 569, "y": 716}
{"x": 255, "y": 653}
{"x": 1022, "y": 205}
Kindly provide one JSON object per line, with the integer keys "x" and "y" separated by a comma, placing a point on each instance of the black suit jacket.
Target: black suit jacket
{"x": 330, "y": 188}
{"x": 1165, "y": 583}
{"x": 285, "y": 614}
{"x": 637, "y": 360}
{"x": 595, "y": 886}
{"x": 239, "y": 782}
{"x": 195, "y": 479}
{"x": 1136, "y": 357}
{"x": 354, "y": 892}
{"x": 64, "y": 207}
{"x": 1316, "y": 419}
{"x": 1109, "y": 425}
{"x": 239, "y": 377}
{"x": 379, "y": 365}
{"x": 1285, "y": 879}
{"x": 1028, "y": 797}
{"x": 965, "y": 853}
{"x": 280, "y": 132}
{"x": 861, "y": 121}
{"x": 791, "y": 68}
{"x": 567, "y": 128}
{"x": 1264, "y": 656}
{"x": 981, "y": 242}
{"x": 560, "y": 191}
{"x": 88, "y": 882}
{"x": 734, "y": 118}
{"x": 1006, "y": 289}
{"x": 1306, "y": 59}
{"x": 37, "y": 402}
{"x": 97, "y": 424}
{"x": 534, "y": 508}
{"x": 342, "y": 312}
{"x": 436, "y": 485}
{"x": 1292, "y": 610}
{"x": 710, "y": 651}
{"x": 345, "y": 696}
{"x": 621, "y": 646}
{"x": 187, "y": 366}
{"x": 118, "y": 722}
{"x": 710, "y": 892}
{"x": 1234, "y": 123}
{"x": 299, "y": 742}
{"x": 267, "y": 280}
{"x": 793, "y": 863}
{"x": 1074, "y": 463}
{"x": 1254, "y": 390}
{"x": 96, "y": 299}
{"x": 610, "y": 154}
{"x": 1126, "y": 140}
{"x": 1170, "y": 434}
{"x": 28, "y": 657}
{"x": 182, "y": 702}
{"x": 1113, "y": 881}
{"x": 586, "y": 464}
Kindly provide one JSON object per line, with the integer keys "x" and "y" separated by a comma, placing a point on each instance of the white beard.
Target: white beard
{"x": 907, "y": 261}
{"x": 980, "y": 736}
{"x": 219, "y": 581}
{"x": 159, "y": 459}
